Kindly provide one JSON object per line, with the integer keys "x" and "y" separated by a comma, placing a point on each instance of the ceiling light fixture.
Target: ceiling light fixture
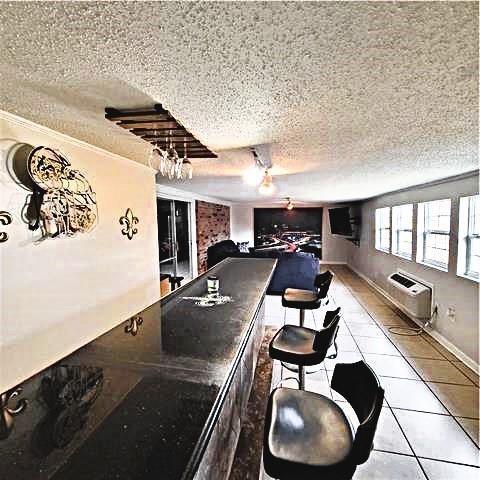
{"x": 266, "y": 187}
{"x": 253, "y": 176}
{"x": 289, "y": 204}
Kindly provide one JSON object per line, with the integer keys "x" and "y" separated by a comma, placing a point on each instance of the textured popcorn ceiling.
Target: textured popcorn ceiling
{"x": 356, "y": 98}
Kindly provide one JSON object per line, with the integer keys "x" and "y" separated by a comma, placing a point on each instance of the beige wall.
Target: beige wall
{"x": 450, "y": 290}
{"x": 61, "y": 293}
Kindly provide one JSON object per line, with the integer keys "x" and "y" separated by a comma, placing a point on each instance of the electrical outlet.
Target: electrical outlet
{"x": 451, "y": 314}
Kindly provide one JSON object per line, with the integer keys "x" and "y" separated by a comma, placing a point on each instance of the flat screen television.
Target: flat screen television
{"x": 340, "y": 223}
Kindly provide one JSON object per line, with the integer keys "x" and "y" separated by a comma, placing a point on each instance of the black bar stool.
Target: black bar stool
{"x": 303, "y": 346}
{"x": 307, "y": 436}
{"x": 175, "y": 282}
{"x": 307, "y": 299}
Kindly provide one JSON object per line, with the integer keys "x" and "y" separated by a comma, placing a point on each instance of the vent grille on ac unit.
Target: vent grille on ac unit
{"x": 402, "y": 280}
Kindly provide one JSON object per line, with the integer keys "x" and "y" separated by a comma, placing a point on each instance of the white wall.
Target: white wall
{"x": 334, "y": 249}
{"x": 241, "y": 223}
{"x": 60, "y": 294}
{"x": 450, "y": 289}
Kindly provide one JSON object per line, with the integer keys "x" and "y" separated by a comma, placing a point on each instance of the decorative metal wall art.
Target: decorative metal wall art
{"x": 5, "y": 219}
{"x": 7, "y": 412}
{"x": 63, "y": 198}
{"x": 129, "y": 221}
{"x": 132, "y": 327}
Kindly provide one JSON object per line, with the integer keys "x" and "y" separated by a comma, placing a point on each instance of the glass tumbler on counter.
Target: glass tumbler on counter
{"x": 213, "y": 285}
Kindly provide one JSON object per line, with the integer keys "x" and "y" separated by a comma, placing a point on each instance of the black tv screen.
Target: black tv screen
{"x": 340, "y": 221}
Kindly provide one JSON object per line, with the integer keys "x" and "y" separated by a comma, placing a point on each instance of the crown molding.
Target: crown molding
{"x": 23, "y": 122}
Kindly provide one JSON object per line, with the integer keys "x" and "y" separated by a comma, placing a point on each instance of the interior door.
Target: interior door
{"x": 166, "y": 240}
{"x": 183, "y": 238}
{"x": 174, "y": 237}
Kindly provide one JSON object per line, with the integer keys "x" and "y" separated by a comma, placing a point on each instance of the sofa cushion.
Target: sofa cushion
{"x": 294, "y": 270}
{"x": 221, "y": 250}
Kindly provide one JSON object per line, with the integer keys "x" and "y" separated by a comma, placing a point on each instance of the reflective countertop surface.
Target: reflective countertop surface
{"x": 134, "y": 406}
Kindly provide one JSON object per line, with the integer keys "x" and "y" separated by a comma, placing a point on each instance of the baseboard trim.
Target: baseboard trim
{"x": 332, "y": 262}
{"x": 469, "y": 362}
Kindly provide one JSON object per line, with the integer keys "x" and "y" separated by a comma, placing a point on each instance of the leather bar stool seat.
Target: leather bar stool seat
{"x": 294, "y": 344}
{"x": 307, "y": 299}
{"x": 301, "y": 299}
{"x": 308, "y": 435}
{"x": 303, "y": 346}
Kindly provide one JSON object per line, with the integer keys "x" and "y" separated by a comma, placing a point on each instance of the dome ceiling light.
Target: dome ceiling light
{"x": 267, "y": 187}
{"x": 253, "y": 176}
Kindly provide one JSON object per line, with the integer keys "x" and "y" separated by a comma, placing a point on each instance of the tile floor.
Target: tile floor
{"x": 428, "y": 428}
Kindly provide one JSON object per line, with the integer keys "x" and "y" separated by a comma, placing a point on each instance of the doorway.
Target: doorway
{"x": 174, "y": 238}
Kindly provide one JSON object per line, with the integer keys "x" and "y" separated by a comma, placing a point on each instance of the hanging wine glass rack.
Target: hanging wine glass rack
{"x": 157, "y": 125}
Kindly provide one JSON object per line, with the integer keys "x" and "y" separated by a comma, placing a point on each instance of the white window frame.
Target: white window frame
{"x": 422, "y": 235}
{"x": 378, "y": 230}
{"x": 396, "y": 231}
{"x": 465, "y": 237}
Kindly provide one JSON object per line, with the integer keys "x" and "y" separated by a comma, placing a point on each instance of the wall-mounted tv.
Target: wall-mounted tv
{"x": 340, "y": 221}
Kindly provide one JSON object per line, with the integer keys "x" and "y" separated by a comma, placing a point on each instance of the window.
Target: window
{"x": 433, "y": 233}
{"x": 402, "y": 220}
{"x": 468, "y": 263}
{"x": 382, "y": 229}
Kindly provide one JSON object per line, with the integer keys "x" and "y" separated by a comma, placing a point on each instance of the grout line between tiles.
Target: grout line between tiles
{"x": 405, "y": 358}
{"x": 396, "y": 419}
{"x": 463, "y": 373}
{"x": 394, "y": 453}
{"x": 454, "y": 463}
{"x": 412, "y": 364}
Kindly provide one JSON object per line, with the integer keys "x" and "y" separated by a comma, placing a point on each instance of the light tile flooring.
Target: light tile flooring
{"x": 428, "y": 428}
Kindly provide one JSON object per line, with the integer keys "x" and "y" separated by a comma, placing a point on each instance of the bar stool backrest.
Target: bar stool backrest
{"x": 330, "y": 315}
{"x": 322, "y": 283}
{"x": 324, "y": 338}
{"x": 360, "y": 386}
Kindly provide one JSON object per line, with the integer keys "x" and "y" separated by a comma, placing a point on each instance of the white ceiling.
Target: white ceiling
{"x": 357, "y": 99}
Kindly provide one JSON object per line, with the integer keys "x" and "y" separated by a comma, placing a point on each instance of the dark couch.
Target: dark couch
{"x": 293, "y": 270}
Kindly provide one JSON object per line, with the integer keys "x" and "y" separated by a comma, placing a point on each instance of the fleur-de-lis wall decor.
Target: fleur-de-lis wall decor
{"x": 129, "y": 220}
{"x": 5, "y": 219}
{"x": 134, "y": 324}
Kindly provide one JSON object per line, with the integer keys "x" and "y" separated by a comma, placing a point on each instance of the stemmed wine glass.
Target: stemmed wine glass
{"x": 171, "y": 159}
{"x": 168, "y": 163}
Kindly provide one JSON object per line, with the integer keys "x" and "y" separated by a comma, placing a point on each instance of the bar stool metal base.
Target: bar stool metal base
{"x": 294, "y": 368}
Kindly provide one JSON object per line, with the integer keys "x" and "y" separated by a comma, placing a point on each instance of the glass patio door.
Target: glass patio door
{"x": 174, "y": 244}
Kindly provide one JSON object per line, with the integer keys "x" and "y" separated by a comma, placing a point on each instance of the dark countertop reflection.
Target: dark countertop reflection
{"x": 134, "y": 406}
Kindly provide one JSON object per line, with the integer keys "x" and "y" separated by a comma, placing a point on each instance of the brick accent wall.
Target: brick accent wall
{"x": 213, "y": 225}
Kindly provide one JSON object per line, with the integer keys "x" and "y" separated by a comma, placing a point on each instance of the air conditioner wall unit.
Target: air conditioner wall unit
{"x": 414, "y": 296}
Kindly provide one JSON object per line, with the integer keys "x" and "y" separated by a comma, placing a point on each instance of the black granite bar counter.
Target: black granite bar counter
{"x": 140, "y": 406}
